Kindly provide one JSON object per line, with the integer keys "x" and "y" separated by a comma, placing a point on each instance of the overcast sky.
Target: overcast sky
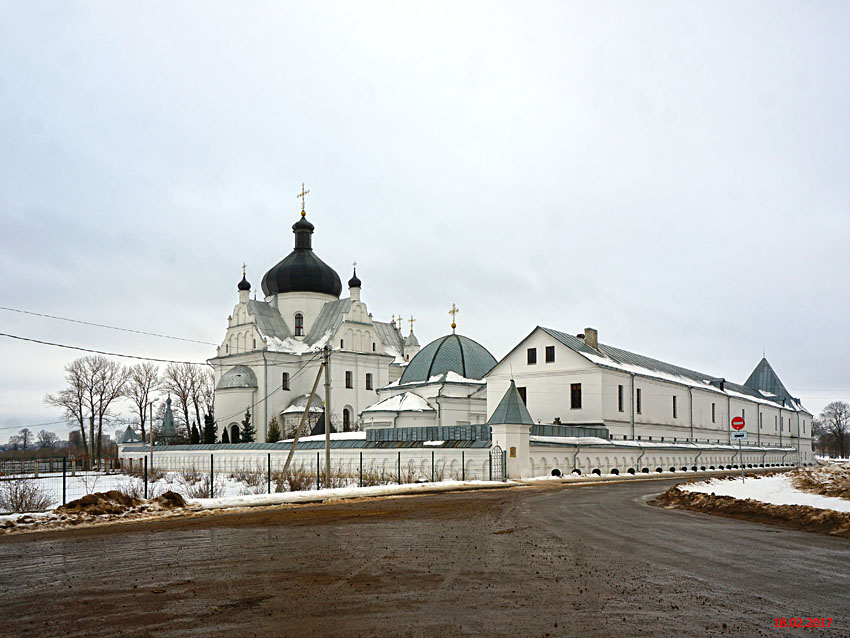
{"x": 674, "y": 174}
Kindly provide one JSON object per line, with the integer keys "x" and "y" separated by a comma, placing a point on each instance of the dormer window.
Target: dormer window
{"x": 299, "y": 325}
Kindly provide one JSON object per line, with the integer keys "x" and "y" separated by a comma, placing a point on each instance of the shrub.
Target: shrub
{"x": 23, "y": 495}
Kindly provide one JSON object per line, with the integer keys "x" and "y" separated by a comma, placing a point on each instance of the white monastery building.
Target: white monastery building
{"x": 556, "y": 403}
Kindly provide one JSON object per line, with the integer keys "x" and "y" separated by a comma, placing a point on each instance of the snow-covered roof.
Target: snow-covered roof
{"x": 300, "y": 402}
{"x": 404, "y": 402}
{"x": 267, "y": 319}
{"x": 632, "y": 363}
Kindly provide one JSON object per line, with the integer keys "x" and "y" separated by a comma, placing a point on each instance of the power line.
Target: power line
{"x": 101, "y": 325}
{"x": 109, "y": 354}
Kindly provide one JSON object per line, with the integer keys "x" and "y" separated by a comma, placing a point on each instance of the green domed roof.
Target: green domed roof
{"x": 452, "y": 353}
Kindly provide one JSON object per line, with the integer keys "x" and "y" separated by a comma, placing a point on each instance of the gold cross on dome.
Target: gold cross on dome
{"x": 302, "y": 195}
{"x": 244, "y": 266}
{"x": 453, "y": 312}
{"x": 400, "y": 319}
{"x": 411, "y": 320}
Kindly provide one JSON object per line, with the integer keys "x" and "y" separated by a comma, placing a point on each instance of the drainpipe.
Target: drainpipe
{"x": 633, "y": 406}
{"x": 763, "y": 458}
{"x": 696, "y": 464}
{"x": 691, "y": 395}
{"x": 439, "y": 407}
{"x": 758, "y": 424}
{"x": 575, "y": 458}
{"x": 784, "y": 454}
{"x": 780, "y": 427}
{"x": 642, "y": 452}
{"x": 266, "y": 394}
{"x": 729, "y": 417}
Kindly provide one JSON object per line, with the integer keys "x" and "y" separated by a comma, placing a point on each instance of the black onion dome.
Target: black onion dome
{"x": 243, "y": 285}
{"x": 354, "y": 282}
{"x": 302, "y": 270}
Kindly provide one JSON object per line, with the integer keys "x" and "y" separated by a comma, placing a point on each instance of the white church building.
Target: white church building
{"x": 273, "y": 348}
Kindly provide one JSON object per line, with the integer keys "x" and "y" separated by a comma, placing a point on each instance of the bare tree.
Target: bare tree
{"x": 143, "y": 382}
{"x": 835, "y": 420}
{"x": 47, "y": 439}
{"x": 109, "y": 380}
{"x": 74, "y": 399}
{"x": 178, "y": 380}
{"x": 25, "y": 437}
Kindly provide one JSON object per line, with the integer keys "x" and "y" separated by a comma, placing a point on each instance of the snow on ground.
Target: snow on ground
{"x": 776, "y": 490}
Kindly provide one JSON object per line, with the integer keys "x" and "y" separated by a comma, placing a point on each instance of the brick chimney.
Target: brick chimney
{"x": 591, "y": 338}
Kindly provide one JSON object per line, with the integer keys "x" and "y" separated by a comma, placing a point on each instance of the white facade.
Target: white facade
{"x": 638, "y": 403}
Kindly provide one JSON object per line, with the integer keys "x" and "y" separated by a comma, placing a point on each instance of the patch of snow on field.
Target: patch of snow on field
{"x": 776, "y": 490}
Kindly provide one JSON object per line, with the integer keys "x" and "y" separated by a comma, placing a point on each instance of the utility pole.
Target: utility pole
{"x": 327, "y": 354}
{"x": 150, "y": 429}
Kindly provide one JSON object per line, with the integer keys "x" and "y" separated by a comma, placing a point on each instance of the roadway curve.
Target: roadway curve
{"x": 534, "y": 561}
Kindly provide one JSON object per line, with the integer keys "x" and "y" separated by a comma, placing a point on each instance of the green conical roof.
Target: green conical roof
{"x": 764, "y": 378}
{"x": 511, "y": 409}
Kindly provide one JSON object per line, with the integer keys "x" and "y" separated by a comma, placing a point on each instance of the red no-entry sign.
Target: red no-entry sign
{"x": 738, "y": 423}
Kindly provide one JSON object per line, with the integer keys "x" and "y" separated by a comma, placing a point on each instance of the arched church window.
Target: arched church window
{"x": 341, "y": 344}
{"x": 299, "y": 325}
{"x": 227, "y": 349}
{"x": 373, "y": 346}
{"x": 346, "y": 420}
{"x": 284, "y": 382}
{"x": 255, "y": 344}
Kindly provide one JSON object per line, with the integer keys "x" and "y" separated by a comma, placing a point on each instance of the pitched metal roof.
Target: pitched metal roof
{"x": 765, "y": 378}
{"x": 329, "y": 319}
{"x": 390, "y": 337}
{"x": 130, "y": 436}
{"x": 268, "y": 320}
{"x": 511, "y": 409}
{"x": 619, "y": 359}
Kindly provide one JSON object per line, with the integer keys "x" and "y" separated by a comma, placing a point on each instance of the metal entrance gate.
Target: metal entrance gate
{"x": 497, "y": 464}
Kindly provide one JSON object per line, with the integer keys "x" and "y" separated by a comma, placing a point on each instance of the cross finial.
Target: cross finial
{"x": 400, "y": 319}
{"x": 355, "y": 265}
{"x": 302, "y": 195}
{"x": 411, "y": 320}
{"x": 453, "y": 312}
{"x": 244, "y": 266}
{"x": 393, "y": 319}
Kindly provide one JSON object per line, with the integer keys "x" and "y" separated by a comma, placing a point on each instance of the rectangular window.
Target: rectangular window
{"x": 550, "y": 354}
{"x": 782, "y": 424}
{"x": 349, "y": 383}
{"x": 284, "y": 381}
{"x": 713, "y": 413}
{"x": 638, "y": 406}
{"x": 575, "y": 396}
{"x": 675, "y": 411}
{"x": 804, "y": 426}
{"x": 368, "y": 380}
{"x": 342, "y": 344}
{"x": 522, "y": 394}
{"x": 532, "y": 356}
{"x": 774, "y": 422}
{"x": 761, "y": 421}
{"x": 620, "y": 398}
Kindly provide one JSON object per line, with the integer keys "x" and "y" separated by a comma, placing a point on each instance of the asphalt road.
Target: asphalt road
{"x": 575, "y": 561}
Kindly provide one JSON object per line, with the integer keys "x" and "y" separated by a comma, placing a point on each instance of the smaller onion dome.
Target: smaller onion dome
{"x": 354, "y": 282}
{"x": 243, "y": 285}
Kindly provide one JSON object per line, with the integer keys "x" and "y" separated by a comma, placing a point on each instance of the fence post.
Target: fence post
{"x": 432, "y": 466}
{"x": 212, "y": 474}
{"x": 64, "y": 472}
{"x": 146, "y": 476}
{"x": 73, "y": 468}
{"x": 462, "y": 465}
{"x": 504, "y": 465}
{"x": 490, "y": 464}
{"x": 399, "y": 468}
{"x": 35, "y": 468}
{"x": 270, "y": 473}
{"x": 361, "y": 469}
{"x": 318, "y": 476}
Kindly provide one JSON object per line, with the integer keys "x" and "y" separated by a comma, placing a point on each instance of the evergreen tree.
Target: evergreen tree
{"x": 195, "y": 436}
{"x": 209, "y": 429}
{"x": 247, "y": 433}
{"x": 225, "y": 437}
{"x": 274, "y": 431}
